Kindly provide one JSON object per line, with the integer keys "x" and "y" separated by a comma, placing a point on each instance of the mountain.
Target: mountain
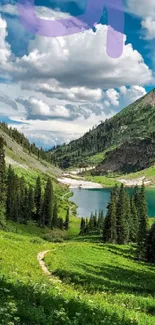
{"x": 25, "y": 156}
{"x": 126, "y": 131}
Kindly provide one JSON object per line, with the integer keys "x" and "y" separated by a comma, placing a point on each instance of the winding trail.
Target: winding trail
{"x": 40, "y": 258}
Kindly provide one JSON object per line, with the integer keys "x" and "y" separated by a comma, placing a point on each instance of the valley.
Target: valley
{"x": 58, "y": 267}
{"x": 77, "y": 162}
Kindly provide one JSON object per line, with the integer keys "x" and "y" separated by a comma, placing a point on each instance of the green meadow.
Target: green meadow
{"x": 100, "y": 284}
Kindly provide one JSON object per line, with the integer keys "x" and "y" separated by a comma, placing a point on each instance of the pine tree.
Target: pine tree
{"x": 150, "y": 245}
{"x": 60, "y": 223}
{"x": 37, "y": 201}
{"x": 67, "y": 220}
{"x": 136, "y": 195}
{"x": 122, "y": 228}
{"x": 134, "y": 222}
{"x": 127, "y": 215}
{"x": 82, "y": 226}
{"x": 30, "y": 203}
{"x": 101, "y": 221}
{"x": 55, "y": 216}
{"x": 2, "y": 184}
{"x": 143, "y": 225}
{"x": 47, "y": 210}
{"x": 13, "y": 201}
{"x": 86, "y": 226}
{"x": 10, "y": 192}
{"x": 26, "y": 206}
{"x": 110, "y": 229}
{"x": 95, "y": 221}
{"x": 91, "y": 223}
{"x": 22, "y": 199}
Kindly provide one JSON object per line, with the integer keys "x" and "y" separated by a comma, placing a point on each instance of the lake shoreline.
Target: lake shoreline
{"x": 74, "y": 183}
{"x": 79, "y": 183}
{"x": 91, "y": 200}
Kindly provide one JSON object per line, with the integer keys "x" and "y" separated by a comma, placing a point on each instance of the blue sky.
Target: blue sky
{"x": 55, "y": 89}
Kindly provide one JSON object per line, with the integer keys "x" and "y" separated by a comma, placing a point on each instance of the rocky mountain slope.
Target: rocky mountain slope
{"x": 129, "y": 157}
{"x": 126, "y": 132}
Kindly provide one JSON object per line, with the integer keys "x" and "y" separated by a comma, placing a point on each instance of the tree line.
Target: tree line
{"x": 126, "y": 221}
{"x": 24, "y": 142}
{"x": 93, "y": 225}
{"x": 22, "y": 203}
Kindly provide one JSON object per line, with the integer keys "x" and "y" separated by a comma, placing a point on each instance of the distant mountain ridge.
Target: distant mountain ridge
{"x": 133, "y": 124}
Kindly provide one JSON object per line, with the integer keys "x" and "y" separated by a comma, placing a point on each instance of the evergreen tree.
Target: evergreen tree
{"x": 60, "y": 223}
{"x": 134, "y": 222}
{"x": 2, "y": 184}
{"x": 47, "y": 211}
{"x": 91, "y": 223}
{"x": 136, "y": 195}
{"x": 22, "y": 198}
{"x": 13, "y": 199}
{"x": 143, "y": 225}
{"x": 110, "y": 229}
{"x": 26, "y": 206}
{"x": 150, "y": 245}
{"x": 55, "y": 216}
{"x": 122, "y": 227}
{"x": 127, "y": 215}
{"x": 100, "y": 221}
{"x": 95, "y": 221}
{"x": 30, "y": 203}
{"x": 86, "y": 226}
{"x": 10, "y": 192}
{"x": 82, "y": 226}
{"x": 67, "y": 220}
{"x": 37, "y": 201}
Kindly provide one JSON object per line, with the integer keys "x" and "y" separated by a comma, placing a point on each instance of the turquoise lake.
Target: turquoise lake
{"x": 97, "y": 199}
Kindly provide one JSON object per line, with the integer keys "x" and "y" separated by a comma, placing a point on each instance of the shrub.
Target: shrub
{"x": 55, "y": 236}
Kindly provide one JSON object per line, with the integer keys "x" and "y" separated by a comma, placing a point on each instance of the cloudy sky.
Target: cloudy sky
{"x": 55, "y": 89}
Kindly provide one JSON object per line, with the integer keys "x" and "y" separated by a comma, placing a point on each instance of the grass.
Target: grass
{"x": 103, "y": 180}
{"x": 101, "y": 284}
{"x": 110, "y": 277}
{"x": 99, "y": 157}
{"x": 149, "y": 173}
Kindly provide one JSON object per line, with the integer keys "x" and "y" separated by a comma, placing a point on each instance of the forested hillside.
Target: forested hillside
{"x": 24, "y": 142}
{"x": 22, "y": 202}
{"x": 136, "y": 122}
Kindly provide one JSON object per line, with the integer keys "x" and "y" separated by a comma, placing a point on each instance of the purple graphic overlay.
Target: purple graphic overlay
{"x": 81, "y": 23}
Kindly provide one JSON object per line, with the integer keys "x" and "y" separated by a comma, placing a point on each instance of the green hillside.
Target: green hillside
{"x": 26, "y": 168}
{"x": 136, "y": 122}
{"x": 18, "y": 154}
{"x": 101, "y": 284}
{"x": 53, "y": 274}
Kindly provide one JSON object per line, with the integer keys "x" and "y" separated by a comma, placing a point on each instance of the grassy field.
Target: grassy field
{"x": 101, "y": 284}
{"x": 149, "y": 173}
{"x": 110, "y": 278}
{"x": 103, "y": 180}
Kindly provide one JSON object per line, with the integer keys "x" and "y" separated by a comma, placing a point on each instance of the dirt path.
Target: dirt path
{"x": 40, "y": 258}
